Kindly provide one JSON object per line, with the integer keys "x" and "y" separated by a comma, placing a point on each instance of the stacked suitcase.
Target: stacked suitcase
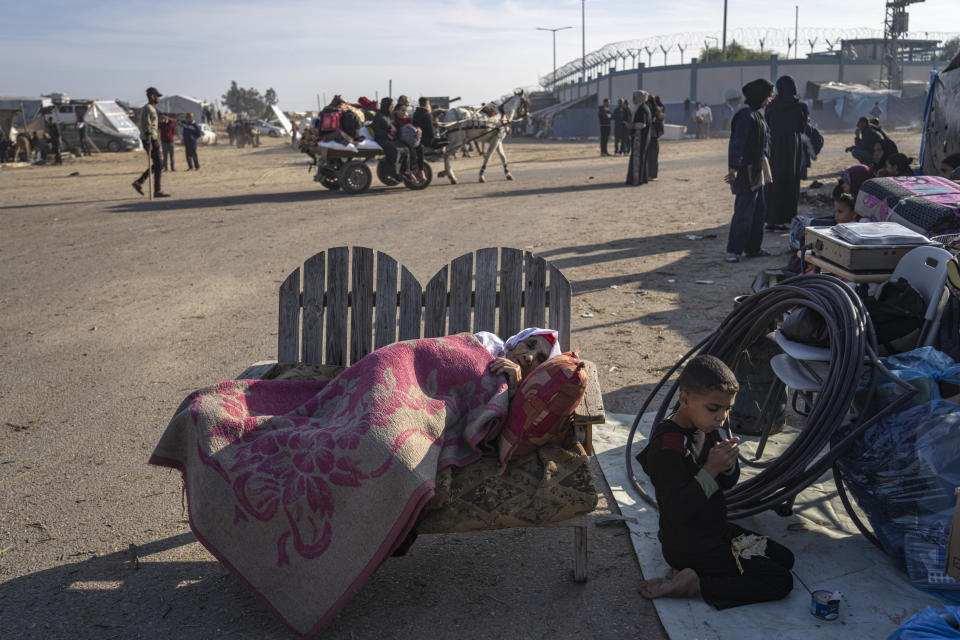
{"x": 863, "y": 246}
{"x": 926, "y": 204}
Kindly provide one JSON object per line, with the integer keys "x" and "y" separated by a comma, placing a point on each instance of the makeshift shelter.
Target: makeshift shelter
{"x": 941, "y": 130}
{"x": 837, "y": 106}
{"x": 111, "y": 117}
{"x": 274, "y": 116}
{"x": 181, "y": 106}
{"x": 14, "y": 109}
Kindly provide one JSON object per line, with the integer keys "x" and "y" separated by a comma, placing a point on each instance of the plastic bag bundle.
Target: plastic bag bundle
{"x": 902, "y": 471}
{"x": 930, "y": 624}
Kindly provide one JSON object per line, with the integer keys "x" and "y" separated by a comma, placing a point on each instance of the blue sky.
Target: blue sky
{"x": 477, "y": 49}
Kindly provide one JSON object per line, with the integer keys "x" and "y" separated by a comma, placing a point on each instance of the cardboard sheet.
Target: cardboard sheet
{"x": 831, "y": 554}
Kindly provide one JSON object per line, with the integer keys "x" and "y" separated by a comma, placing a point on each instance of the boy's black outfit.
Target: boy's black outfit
{"x": 694, "y": 532}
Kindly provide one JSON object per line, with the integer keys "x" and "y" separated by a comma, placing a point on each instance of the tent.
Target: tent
{"x": 182, "y": 105}
{"x": 13, "y": 110}
{"x": 275, "y": 117}
{"x": 111, "y": 116}
{"x": 941, "y": 123}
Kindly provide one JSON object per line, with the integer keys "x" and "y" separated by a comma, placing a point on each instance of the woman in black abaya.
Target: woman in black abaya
{"x": 637, "y": 169}
{"x": 657, "y": 113}
{"x": 786, "y": 117}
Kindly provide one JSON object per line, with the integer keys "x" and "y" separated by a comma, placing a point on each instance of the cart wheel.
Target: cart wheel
{"x": 416, "y": 184}
{"x": 355, "y": 177}
{"x": 383, "y": 175}
{"x": 330, "y": 181}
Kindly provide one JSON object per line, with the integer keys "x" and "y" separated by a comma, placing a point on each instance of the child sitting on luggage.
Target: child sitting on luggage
{"x": 691, "y": 465}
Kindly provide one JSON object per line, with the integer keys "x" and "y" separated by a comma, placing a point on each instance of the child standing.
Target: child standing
{"x": 691, "y": 465}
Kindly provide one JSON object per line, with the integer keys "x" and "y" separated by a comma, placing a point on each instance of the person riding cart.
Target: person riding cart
{"x": 385, "y": 133}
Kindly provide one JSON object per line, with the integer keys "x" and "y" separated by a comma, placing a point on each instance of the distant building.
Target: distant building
{"x": 872, "y": 49}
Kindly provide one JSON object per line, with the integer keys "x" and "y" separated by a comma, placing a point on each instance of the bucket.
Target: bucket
{"x": 825, "y": 604}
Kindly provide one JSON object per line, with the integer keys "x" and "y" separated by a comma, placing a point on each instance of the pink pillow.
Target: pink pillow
{"x": 544, "y": 402}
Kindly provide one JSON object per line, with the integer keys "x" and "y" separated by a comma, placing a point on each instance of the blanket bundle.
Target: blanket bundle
{"x": 302, "y": 488}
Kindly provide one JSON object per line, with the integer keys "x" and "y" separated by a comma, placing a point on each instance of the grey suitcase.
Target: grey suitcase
{"x": 825, "y": 243}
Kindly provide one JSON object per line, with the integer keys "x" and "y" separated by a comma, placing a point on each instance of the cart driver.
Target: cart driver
{"x": 384, "y": 133}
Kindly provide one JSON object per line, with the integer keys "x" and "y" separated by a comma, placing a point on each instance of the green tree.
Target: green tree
{"x": 950, "y": 49}
{"x": 241, "y": 100}
{"x": 270, "y": 96}
{"x": 735, "y": 51}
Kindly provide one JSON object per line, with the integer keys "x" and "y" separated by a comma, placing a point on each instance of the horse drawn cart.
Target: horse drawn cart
{"x": 346, "y": 166}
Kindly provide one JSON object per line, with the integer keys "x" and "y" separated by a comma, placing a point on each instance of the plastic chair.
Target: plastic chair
{"x": 925, "y": 268}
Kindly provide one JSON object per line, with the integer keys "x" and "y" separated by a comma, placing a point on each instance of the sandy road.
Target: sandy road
{"x": 113, "y": 308}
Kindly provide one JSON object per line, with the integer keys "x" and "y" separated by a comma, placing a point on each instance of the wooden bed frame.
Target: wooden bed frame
{"x": 350, "y": 301}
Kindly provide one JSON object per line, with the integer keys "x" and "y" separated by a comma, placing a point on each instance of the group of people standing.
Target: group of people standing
{"x": 765, "y": 164}
{"x": 637, "y": 133}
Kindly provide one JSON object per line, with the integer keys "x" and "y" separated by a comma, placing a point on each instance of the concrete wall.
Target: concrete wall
{"x": 670, "y": 83}
{"x": 715, "y": 81}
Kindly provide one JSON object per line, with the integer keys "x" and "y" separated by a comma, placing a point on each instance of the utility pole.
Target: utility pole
{"x": 583, "y": 39}
{"x": 554, "y": 31}
{"x": 796, "y": 29}
{"x": 724, "y": 49}
{"x": 895, "y": 26}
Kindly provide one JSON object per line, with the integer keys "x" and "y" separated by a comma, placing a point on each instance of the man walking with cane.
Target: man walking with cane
{"x": 150, "y": 134}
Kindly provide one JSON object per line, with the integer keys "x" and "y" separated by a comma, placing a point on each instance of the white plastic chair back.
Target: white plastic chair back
{"x": 925, "y": 268}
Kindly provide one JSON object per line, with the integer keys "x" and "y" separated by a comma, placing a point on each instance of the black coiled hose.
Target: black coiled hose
{"x": 853, "y": 354}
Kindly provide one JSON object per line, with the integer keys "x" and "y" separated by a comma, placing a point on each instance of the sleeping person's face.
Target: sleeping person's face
{"x": 530, "y": 353}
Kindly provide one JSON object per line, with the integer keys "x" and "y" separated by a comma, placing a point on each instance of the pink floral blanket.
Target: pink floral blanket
{"x": 302, "y": 488}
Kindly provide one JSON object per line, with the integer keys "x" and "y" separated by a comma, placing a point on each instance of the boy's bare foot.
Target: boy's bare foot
{"x": 679, "y": 584}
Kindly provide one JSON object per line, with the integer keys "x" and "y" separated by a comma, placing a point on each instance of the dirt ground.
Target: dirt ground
{"x": 113, "y": 308}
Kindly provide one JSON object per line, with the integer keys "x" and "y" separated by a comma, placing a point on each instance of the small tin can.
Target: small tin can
{"x": 825, "y": 604}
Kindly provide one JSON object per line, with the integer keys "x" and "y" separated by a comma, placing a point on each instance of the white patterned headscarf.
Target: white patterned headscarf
{"x": 498, "y": 348}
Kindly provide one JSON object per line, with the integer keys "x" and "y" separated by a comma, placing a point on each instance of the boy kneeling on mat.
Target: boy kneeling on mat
{"x": 691, "y": 465}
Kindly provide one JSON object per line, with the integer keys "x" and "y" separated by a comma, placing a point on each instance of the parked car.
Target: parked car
{"x": 209, "y": 135}
{"x": 104, "y": 140}
{"x": 267, "y": 129}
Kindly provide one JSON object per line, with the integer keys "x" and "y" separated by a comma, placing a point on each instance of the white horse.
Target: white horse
{"x": 464, "y": 125}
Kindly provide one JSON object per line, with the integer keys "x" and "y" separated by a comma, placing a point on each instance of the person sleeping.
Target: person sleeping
{"x": 520, "y": 354}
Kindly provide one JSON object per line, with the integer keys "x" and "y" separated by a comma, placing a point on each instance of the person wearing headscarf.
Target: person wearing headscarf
{"x": 749, "y": 171}
{"x": 853, "y": 178}
{"x": 520, "y": 354}
{"x": 641, "y": 126}
{"x": 787, "y": 119}
{"x": 385, "y": 135}
{"x": 653, "y": 151}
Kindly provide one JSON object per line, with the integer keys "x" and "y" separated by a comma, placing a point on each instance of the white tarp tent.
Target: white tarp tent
{"x": 941, "y": 133}
{"x": 109, "y": 115}
{"x": 274, "y": 116}
{"x": 182, "y": 105}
